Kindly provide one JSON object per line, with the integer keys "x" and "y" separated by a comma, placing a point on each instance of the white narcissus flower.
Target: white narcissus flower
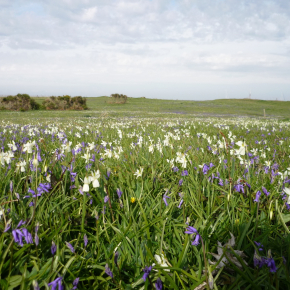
{"x": 21, "y": 165}
{"x": 161, "y": 261}
{"x": 287, "y": 191}
{"x": 86, "y": 187}
{"x": 87, "y": 157}
{"x": 94, "y": 178}
{"x": 139, "y": 172}
{"x": 28, "y": 147}
{"x": 242, "y": 149}
{"x": 35, "y": 161}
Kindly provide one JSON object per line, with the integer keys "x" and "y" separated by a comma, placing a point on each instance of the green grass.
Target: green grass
{"x": 148, "y": 107}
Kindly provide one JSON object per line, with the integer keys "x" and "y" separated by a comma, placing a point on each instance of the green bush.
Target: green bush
{"x": 65, "y": 103}
{"x": 20, "y": 102}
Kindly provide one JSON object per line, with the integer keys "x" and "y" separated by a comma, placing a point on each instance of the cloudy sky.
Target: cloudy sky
{"x": 170, "y": 49}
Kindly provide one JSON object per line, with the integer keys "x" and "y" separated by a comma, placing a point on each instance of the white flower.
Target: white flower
{"x": 87, "y": 157}
{"x": 181, "y": 158}
{"x": 242, "y": 149}
{"x": 21, "y": 165}
{"x": 139, "y": 172}
{"x": 94, "y": 178}
{"x": 86, "y": 187}
{"x": 35, "y": 161}
{"x": 161, "y": 261}
{"x": 287, "y": 191}
{"x": 28, "y": 147}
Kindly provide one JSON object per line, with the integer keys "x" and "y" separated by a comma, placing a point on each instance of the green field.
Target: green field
{"x": 222, "y": 107}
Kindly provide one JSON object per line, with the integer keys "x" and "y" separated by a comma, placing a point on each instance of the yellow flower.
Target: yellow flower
{"x": 133, "y": 199}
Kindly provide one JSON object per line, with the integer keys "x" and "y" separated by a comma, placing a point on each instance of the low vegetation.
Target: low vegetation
{"x": 65, "y": 103}
{"x": 23, "y": 102}
{"x": 144, "y": 203}
{"x": 118, "y": 99}
{"x": 20, "y": 102}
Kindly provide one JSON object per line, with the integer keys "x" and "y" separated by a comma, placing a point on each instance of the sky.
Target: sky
{"x": 165, "y": 49}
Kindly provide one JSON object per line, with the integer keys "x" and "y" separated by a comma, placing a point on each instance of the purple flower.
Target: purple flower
{"x": 20, "y": 224}
{"x": 259, "y": 245}
{"x": 158, "y": 284}
{"x": 180, "y": 204}
{"x": 70, "y": 247}
{"x": 53, "y": 248}
{"x": 259, "y": 261}
{"x": 146, "y": 271}
{"x": 108, "y": 271}
{"x": 86, "y": 240}
{"x": 193, "y": 231}
{"x": 258, "y": 194}
{"x": 75, "y": 283}
{"x": 116, "y": 258}
{"x": 205, "y": 169}
{"x": 271, "y": 265}
{"x": 164, "y": 198}
{"x": 180, "y": 182}
{"x": 175, "y": 169}
{"x": 55, "y": 283}
{"x": 119, "y": 192}
{"x": 184, "y": 173}
{"x": 265, "y": 191}
{"x": 106, "y": 199}
{"x": 8, "y": 226}
{"x": 18, "y": 235}
{"x": 195, "y": 242}
{"x": 35, "y": 285}
{"x": 11, "y": 186}
{"x": 27, "y": 236}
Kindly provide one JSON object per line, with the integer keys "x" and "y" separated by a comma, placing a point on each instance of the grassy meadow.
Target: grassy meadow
{"x": 151, "y": 194}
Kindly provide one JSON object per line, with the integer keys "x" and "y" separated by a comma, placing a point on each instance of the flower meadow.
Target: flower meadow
{"x": 144, "y": 203}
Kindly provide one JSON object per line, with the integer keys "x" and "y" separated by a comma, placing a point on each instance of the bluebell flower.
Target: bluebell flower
{"x": 18, "y": 235}
{"x": 193, "y": 231}
{"x": 146, "y": 271}
{"x": 86, "y": 240}
{"x": 27, "y": 236}
{"x": 180, "y": 182}
{"x": 108, "y": 271}
{"x": 164, "y": 198}
{"x": 35, "y": 285}
{"x": 158, "y": 284}
{"x": 259, "y": 245}
{"x": 116, "y": 258}
{"x": 55, "y": 283}
{"x": 70, "y": 247}
{"x": 271, "y": 265}
{"x": 106, "y": 199}
{"x": 7, "y": 227}
{"x": 175, "y": 169}
{"x": 265, "y": 191}
{"x": 53, "y": 248}
{"x": 119, "y": 192}
{"x": 258, "y": 194}
{"x": 75, "y": 283}
{"x": 184, "y": 173}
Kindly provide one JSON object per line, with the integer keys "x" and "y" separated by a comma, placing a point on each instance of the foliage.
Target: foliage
{"x": 117, "y": 196}
{"x": 118, "y": 99}
{"x": 65, "y": 103}
{"x": 20, "y": 102}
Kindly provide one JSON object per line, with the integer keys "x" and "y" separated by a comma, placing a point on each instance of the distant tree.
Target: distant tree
{"x": 119, "y": 98}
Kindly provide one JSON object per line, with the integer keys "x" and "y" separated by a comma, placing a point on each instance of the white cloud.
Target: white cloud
{"x": 70, "y": 43}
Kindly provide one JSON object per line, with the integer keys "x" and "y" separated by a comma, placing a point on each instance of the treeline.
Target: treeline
{"x": 23, "y": 102}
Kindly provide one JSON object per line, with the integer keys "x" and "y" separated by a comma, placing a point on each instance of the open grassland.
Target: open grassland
{"x": 112, "y": 198}
{"x": 102, "y": 106}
